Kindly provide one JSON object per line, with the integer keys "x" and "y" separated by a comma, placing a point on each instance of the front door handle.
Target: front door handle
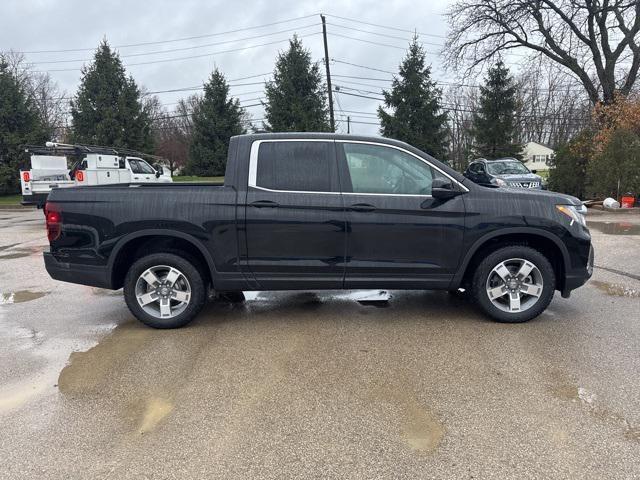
{"x": 362, "y": 207}
{"x": 264, "y": 204}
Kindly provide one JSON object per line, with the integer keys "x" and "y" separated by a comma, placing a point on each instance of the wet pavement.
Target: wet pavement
{"x": 319, "y": 384}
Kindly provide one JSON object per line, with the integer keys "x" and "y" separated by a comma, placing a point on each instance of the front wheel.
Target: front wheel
{"x": 514, "y": 284}
{"x": 164, "y": 290}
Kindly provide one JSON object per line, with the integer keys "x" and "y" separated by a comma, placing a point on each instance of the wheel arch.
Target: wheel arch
{"x": 549, "y": 245}
{"x": 129, "y": 246}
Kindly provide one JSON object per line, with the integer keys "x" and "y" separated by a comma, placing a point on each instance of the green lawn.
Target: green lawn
{"x": 10, "y": 199}
{"x": 197, "y": 179}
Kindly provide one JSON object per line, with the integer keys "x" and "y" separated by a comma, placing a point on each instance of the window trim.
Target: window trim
{"x": 253, "y": 167}
{"x": 253, "y": 164}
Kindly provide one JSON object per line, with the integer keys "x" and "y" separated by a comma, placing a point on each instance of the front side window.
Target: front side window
{"x": 383, "y": 170}
{"x": 135, "y": 168}
{"x": 301, "y": 166}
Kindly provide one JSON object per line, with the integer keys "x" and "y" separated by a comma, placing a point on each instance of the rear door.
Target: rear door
{"x": 398, "y": 234}
{"x": 294, "y": 215}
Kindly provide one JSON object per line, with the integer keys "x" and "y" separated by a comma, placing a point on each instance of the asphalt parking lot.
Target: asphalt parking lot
{"x": 319, "y": 384}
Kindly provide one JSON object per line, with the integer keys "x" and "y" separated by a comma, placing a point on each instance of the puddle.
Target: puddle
{"x": 616, "y": 290}
{"x": 422, "y": 432}
{"x": 420, "y": 428}
{"x": 106, "y": 293}
{"x": 589, "y": 401}
{"x": 20, "y": 296}
{"x": 13, "y": 256}
{"x": 5, "y": 247}
{"x": 155, "y": 411}
{"x": 86, "y": 372}
{"x": 574, "y": 394}
{"x": 616, "y": 228}
{"x": 17, "y": 395}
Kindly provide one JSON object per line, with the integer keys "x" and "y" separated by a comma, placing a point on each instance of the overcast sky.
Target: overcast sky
{"x": 32, "y": 26}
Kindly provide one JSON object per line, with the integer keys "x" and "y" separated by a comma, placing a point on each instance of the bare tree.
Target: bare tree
{"x": 173, "y": 130}
{"x": 552, "y": 105}
{"x": 460, "y": 103}
{"x": 595, "y": 40}
{"x": 50, "y": 102}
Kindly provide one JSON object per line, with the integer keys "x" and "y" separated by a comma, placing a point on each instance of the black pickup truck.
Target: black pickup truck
{"x": 319, "y": 211}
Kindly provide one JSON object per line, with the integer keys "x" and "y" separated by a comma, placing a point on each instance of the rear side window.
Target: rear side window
{"x": 299, "y": 166}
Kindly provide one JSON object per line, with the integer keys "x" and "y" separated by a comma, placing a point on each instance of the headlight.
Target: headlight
{"x": 499, "y": 182}
{"x": 575, "y": 212}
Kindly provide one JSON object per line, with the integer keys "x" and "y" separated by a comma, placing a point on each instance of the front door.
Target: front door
{"x": 398, "y": 234}
{"x": 295, "y": 218}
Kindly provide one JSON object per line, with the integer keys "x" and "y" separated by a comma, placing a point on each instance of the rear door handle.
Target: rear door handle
{"x": 362, "y": 207}
{"x": 264, "y": 204}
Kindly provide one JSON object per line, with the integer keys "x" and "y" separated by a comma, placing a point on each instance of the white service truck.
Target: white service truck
{"x": 93, "y": 166}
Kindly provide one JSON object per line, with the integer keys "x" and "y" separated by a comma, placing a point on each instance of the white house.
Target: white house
{"x": 535, "y": 156}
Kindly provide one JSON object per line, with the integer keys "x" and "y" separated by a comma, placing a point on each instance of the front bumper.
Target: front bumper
{"x": 91, "y": 275}
{"x": 576, "y": 279}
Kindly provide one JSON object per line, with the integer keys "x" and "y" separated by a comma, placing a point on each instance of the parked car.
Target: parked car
{"x": 93, "y": 166}
{"x": 504, "y": 172}
{"x": 319, "y": 211}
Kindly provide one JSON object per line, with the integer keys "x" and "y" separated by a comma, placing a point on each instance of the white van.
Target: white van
{"x": 94, "y": 166}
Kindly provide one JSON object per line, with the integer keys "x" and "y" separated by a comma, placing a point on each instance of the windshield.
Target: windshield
{"x": 506, "y": 167}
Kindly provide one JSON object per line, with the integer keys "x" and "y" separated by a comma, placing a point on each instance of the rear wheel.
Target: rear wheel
{"x": 514, "y": 284}
{"x": 164, "y": 290}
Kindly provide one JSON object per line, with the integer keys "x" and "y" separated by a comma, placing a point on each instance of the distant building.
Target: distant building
{"x": 535, "y": 156}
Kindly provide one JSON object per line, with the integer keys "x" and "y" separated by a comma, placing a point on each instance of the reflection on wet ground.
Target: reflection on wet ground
{"x": 615, "y": 289}
{"x": 20, "y": 296}
{"x": 9, "y": 252}
{"x": 589, "y": 401}
{"x": 615, "y": 228}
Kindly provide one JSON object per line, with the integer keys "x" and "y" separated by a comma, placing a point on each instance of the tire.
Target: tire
{"x": 168, "y": 305}
{"x": 534, "y": 291}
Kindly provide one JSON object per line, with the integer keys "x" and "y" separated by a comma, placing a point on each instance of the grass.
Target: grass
{"x": 10, "y": 199}
{"x": 197, "y": 179}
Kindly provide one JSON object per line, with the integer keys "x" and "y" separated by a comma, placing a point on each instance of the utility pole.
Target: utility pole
{"x": 348, "y": 124}
{"x": 326, "y": 64}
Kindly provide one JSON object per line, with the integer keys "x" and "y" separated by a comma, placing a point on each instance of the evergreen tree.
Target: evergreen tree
{"x": 107, "y": 109}
{"x": 19, "y": 125}
{"x": 414, "y": 100}
{"x": 494, "y": 127}
{"x": 216, "y": 118}
{"x": 296, "y": 98}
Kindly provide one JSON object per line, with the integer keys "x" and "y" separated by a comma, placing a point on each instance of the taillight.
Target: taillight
{"x": 54, "y": 223}
{"x": 80, "y": 176}
{"x": 26, "y": 176}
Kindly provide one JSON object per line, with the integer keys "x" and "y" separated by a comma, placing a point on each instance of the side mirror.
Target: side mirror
{"x": 159, "y": 171}
{"x": 534, "y": 171}
{"x": 443, "y": 189}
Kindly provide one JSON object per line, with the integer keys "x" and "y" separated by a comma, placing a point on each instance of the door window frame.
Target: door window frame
{"x": 344, "y": 170}
{"x": 253, "y": 164}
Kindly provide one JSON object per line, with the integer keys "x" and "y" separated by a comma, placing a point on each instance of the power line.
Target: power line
{"x": 373, "y": 43}
{"x": 363, "y": 66}
{"x": 142, "y": 54}
{"x": 210, "y": 54}
{"x": 386, "y": 26}
{"x": 175, "y": 39}
{"x": 380, "y": 34}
